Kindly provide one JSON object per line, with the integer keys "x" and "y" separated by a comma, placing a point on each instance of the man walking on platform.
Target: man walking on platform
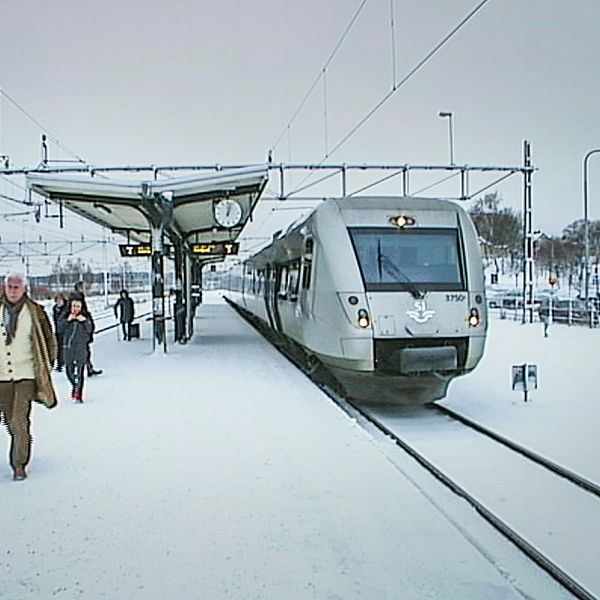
{"x": 27, "y": 353}
{"x": 124, "y": 311}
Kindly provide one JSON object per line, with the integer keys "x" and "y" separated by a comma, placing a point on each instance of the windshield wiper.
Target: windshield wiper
{"x": 385, "y": 262}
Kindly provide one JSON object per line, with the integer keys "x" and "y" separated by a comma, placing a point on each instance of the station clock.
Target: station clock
{"x": 228, "y": 212}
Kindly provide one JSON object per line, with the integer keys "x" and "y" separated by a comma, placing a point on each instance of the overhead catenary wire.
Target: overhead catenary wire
{"x": 319, "y": 76}
{"x": 7, "y": 216}
{"x": 50, "y": 233}
{"x": 487, "y": 187}
{"x": 7, "y": 179}
{"x": 436, "y": 183}
{"x": 51, "y": 136}
{"x": 371, "y": 185}
{"x": 401, "y": 83}
{"x": 410, "y": 74}
{"x": 6, "y": 197}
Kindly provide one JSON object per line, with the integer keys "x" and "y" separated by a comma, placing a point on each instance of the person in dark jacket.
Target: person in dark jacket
{"x": 124, "y": 311}
{"x": 75, "y": 327}
{"x": 60, "y": 305}
{"x": 78, "y": 292}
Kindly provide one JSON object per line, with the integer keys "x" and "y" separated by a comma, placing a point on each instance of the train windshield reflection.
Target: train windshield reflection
{"x": 412, "y": 260}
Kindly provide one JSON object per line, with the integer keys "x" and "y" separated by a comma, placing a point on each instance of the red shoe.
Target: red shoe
{"x": 19, "y": 473}
{"x": 77, "y": 396}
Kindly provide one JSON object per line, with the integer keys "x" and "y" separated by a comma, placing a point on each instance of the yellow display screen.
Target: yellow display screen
{"x": 216, "y": 249}
{"x": 135, "y": 249}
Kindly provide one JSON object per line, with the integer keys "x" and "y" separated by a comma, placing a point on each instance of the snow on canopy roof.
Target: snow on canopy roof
{"x": 121, "y": 205}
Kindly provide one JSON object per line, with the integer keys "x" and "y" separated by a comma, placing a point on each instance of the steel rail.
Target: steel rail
{"x": 555, "y": 468}
{"x": 352, "y": 409}
{"x": 558, "y": 574}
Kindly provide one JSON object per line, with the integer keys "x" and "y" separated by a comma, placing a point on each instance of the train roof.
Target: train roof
{"x": 344, "y": 203}
{"x": 358, "y": 203}
{"x": 393, "y": 202}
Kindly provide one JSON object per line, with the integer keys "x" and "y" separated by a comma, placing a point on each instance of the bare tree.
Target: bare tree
{"x": 499, "y": 230}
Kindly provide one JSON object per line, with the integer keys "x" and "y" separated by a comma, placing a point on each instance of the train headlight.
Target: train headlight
{"x": 474, "y": 318}
{"x": 401, "y": 221}
{"x": 363, "y": 318}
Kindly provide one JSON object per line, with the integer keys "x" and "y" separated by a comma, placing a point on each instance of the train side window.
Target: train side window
{"x": 307, "y": 258}
{"x": 283, "y": 277}
{"x": 261, "y": 280}
{"x": 246, "y": 278}
{"x": 293, "y": 281}
{"x": 309, "y": 245}
{"x": 306, "y": 274}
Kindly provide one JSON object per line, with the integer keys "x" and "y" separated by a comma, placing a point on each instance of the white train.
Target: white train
{"x": 386, "y": 293}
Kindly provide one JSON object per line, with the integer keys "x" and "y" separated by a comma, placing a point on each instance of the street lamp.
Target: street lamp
{"x": 448, "y": 115}
{"x": 586, "y": 222}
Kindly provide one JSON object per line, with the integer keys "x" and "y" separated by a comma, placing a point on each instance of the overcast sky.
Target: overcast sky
{"x": 217, "y": 81}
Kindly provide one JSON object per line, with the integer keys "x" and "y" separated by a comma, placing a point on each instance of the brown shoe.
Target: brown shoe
{"x": 19, "y": 473}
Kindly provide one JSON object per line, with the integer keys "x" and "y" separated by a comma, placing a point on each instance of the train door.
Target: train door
{"x": 305, "y": 293}
{"x": 268, "y": 295}
{"x": 279, "y": 280}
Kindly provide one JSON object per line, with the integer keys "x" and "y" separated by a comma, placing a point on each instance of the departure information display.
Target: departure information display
{"x": 216, "y": 249}
{"x": 204, "y": 249}
{"x": 128, "y": 250}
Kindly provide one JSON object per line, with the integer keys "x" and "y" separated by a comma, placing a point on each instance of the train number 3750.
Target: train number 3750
{"x": 455, "y": 297}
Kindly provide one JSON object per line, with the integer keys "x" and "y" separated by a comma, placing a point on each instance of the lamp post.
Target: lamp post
{"x": 449, "y": 115}
{"x": 586, "y": 222}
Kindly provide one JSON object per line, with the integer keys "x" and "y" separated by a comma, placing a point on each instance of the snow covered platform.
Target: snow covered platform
{"x": 219, "y": 471}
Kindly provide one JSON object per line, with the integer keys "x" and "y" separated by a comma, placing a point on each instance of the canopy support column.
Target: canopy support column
{"x": 187, "y": 290}
{"x": 157, "y": 277}
{"x": 179, "y": 310}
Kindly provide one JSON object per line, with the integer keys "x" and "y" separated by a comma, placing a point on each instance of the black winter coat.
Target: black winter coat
{"x": 57, "y": 313}
{"x": 125, "y": 307}
{"x": 75, "y": 338}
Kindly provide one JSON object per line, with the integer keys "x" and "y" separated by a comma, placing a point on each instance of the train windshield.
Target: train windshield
{"x": 413, "y": 260}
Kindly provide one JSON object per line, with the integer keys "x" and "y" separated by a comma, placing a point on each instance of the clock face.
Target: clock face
{"x": 228, "y": 213}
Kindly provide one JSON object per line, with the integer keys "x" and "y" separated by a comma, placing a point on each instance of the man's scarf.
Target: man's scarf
{"x": 10, "y": 314}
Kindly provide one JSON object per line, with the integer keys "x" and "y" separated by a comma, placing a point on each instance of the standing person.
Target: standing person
{"x": 75, "y": 327}
{"x": 545, "y": 319}
{"x": 80, "y": 294}
{"x": 27, "y": 353}
{"x": 124, "y": 311}
{"x": 60, "y": 303}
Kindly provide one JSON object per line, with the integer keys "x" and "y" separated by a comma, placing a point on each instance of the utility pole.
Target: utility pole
{"x": 586, "y": 223}
{"x": 527, "y": 236}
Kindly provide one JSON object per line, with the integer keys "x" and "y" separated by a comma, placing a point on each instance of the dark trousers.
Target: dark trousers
{"x": 15, "y": 408}
{"x": 88, "y": 361}
{"x": 75, "y": 371}
{"x": 125, "y": 328}
{"x": 60, "y": 361}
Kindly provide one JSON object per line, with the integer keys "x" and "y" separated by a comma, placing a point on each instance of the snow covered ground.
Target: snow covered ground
{"x": 218, "y": 471}
{"x": 561, "y": 418}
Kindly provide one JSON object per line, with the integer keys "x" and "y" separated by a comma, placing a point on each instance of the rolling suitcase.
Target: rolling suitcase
{"x": 134, "y": 330}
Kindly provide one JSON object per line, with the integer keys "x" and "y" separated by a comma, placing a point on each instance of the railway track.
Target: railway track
{"x": 564, "y": 575}
{"x": 388, "y": 427}
{"x": 555, "y": 468}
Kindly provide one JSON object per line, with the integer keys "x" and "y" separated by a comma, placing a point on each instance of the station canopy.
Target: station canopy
{"x": 184, "y": 206}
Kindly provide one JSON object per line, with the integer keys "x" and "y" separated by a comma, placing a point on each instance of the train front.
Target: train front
{"x": 423, "y": 297}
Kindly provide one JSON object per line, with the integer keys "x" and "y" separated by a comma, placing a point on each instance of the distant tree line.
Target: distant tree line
{"x": 68, "y": 272}
{"x": 500, "y": 231}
